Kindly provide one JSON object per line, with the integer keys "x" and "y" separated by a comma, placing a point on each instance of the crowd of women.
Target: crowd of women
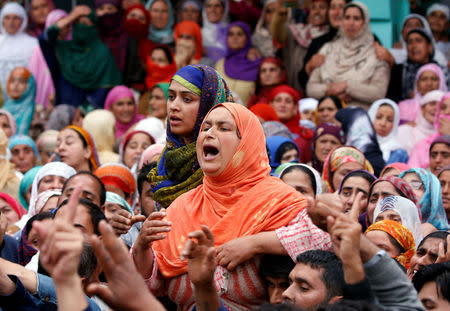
{"x": 276, "y": 128}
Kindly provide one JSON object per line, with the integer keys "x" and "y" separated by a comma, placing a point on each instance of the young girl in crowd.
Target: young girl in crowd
{"x": 385, "y": 118}
{"x": 281, "y": 150}
{"x": 21, "y": 89}
{"x": 132, "y": 146}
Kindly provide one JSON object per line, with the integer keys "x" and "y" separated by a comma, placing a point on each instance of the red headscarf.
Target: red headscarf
{"x": 156, "y": 73}
{"x": 193, "y": 29}
{"x": 20, "y": 211}
{"x": 118, "y": 175}
{"x": 265, "y": 112}
{"x": 243, "y": 200}
{"x": 139, "y": 31}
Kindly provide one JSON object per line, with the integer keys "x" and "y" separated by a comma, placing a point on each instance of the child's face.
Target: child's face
{"x": 17, "y": 86}
{"x": 308, "y": 115}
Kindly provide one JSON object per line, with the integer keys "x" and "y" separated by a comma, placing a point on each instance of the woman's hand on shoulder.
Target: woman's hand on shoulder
{"x": 316, "y": 61}
{"x": 235, "y": 252}
{"x": 383, "y": 54}
{"x": 253, "y": 54}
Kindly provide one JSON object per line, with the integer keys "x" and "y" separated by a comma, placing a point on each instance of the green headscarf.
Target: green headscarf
{"x": 85, "y": 61}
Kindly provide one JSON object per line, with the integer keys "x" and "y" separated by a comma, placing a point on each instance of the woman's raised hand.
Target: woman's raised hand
{"x": 153, "y": 229}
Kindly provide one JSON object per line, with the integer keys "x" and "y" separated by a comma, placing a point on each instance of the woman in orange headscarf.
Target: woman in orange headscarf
{"x": 188, "y": 43}
{"x": 238, "y": 198}
{"x": 397, "y": 240}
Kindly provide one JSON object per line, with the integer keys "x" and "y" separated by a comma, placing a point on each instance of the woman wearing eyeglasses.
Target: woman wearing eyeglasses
{"x": 427, "y": 189}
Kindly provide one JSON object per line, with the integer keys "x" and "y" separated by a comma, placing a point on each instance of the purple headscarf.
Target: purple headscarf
{"x": 323, "y": 129}
{"x": 237, "y": 65}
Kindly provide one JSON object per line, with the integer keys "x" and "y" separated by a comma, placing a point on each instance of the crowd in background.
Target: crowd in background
{"x": 223, "y": 155}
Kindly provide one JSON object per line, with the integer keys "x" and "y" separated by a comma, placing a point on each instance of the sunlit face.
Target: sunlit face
{"x": 300, "y": 181}
{"x": 285, "y": 106}
{"x": 11, "y": 23}
{"x": 381, "y": 239}
{"x": 324, "y": 144}
{"x": 439, "y": 157}
{"x": 190, "y": 13}
{"x": 159, "y": 57}
{"x": 5, "y": 126}
{"x": 336, "y": 13}
{"x": 432, "y": 299}
{"x": 214, "y": 11}
{"x": 124, "y": 110}
{"x": 326, "y": 111}
{"x": 343, "y": 170}
{"x": 353, "y": 22}
{"x": 137, "y": 14}
{"x": 444, "y": 179}
{"x": 182, "y": 110}
{"x": 10, "y": 214}
{"x": 236, "y": 38}
{"x": 217, "y": 141}
{"x": 384, "y": 120}
{"x": 306, "y": 289}
{"x": 159, "y": 14}
{"x": 389, "y": 215}
{"x": 51, "y": 182}
{"x": 428, "y": 81}
{"x": 429, "y": 111}
{"x": 350, "y": 188}
{"x": 134, "y": 148}
{"x": 39, "y": 10}
{"x": 23, "y": 157}
{"x": 426, "y": 254}
{"x": 419, "y": 49}
{"x": 90, "y": 188}
{"x": 72, "y": 151}
{"x": 437, "y": 21}
{"x": 275, "y": 288}
{"x": 411, "y": 24}
{"x": 269, "y": 74}
{"x": 380, "y": 191}
{"x": 158, "y": 104}
{"x": 318, "y": 13}
{"x": 17, "y": 86}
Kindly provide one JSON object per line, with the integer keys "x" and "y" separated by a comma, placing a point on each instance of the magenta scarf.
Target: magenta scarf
{"x": 237, "y": 65}
{"x": 114, "y": 95}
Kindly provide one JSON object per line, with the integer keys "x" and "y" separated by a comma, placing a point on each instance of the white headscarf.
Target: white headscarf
{"x": 406, "y": 209}
{"x": 154, "y": 127}
{"x": 210, "y": 31}
{"x": 389, "y": 142}
{"x": 42, "y": 199}
{"x": 316, "y": 174}
{"x": 15, "y": 50}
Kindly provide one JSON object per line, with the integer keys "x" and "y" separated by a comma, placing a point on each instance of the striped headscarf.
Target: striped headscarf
{"x": 401, "y": 234}
{"x": 399, "y": 184}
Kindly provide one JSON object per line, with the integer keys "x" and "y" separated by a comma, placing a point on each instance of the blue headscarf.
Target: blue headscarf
{"x": 430, "y": 205}
{"x": 114, "y": 198}
{"x": 273, "y": 145}
{"x": 24, "y": 140}
{"x": 26, "y": 183}
{"x": 165, "y": 35}
{"x": 22, "y": 109}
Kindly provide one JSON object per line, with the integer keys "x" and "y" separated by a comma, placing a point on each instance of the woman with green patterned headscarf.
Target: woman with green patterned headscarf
{"x": 193, "y": 91}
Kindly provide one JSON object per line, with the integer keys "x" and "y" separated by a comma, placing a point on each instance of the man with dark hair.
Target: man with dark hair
{"x": 432, "y": 282}
{"x": 316, "y": 280}
{"x": 275, "y": 269}
{"x": 88, "y": 215}
{"x": 92, "y": 188}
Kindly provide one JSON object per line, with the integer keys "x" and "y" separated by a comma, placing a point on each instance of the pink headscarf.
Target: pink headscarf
{"x": 11, "y": 119}
{"x": 38, "y": 66}
{"x": 420, "y": 155}
{"x": 20, "y": 211}
{"x": 149, "y": 153}
{"x": 114, "y": 95}
{"x": 409, "y": 108}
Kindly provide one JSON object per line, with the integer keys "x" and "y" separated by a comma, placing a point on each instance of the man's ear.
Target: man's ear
{"x": 334, "y": 299}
